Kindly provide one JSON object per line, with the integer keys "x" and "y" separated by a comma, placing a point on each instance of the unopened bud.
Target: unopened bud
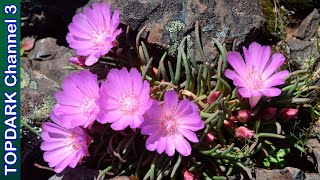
{"x": 243, "y": 133}
{"x": 244, "y": 116}
{"x": 289, "y": 113}
{"x": 209, "y": 137}
{"x": 213, "y": 97}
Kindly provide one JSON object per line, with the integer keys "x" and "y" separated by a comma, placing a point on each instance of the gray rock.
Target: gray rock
{"x": 169, "y": 21}
{"x": 303, "y": 53}
{"x": 47, "y": 49}
{"x": 308, "y": 26}
{"x": 316, "y": 152}
{"x": 287, "y": 173}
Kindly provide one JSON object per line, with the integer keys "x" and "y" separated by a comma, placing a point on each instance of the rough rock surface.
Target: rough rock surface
{"x": 308, "y": 26}
{"x": 287, "y": 173}
{"x": 302, "y": 46}
{"x": 169, "y": 21}
{"x": 40, "y": 79}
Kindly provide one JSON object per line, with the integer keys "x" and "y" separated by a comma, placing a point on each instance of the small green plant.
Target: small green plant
{"x": 276, "y": 158}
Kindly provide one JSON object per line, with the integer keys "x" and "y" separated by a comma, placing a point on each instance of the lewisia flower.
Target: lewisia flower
{"x": 124, "y": 98}
{"x": 170, "y": 123}
{"x": 63, "y": 147}
{"x": 255, "y": 76}
{"x": 93, "y": 32}
{"x": 77, "y": 102}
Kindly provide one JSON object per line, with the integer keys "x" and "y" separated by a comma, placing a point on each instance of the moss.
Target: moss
{"x": 24, "y": 78}
{"x": 272, "y": 28}
{"x": 33, "y": 85}
{"x": 42, "y": 112}
{"x": 173, "y": 28}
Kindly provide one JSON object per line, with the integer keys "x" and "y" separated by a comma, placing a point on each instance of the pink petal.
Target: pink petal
{"x": 253, "y": 101}
{"x": 162, "y": 143}
{"x": 276, "y": 79}
{"x": 170, "y": 102}
{"x": 277, "y": 60}
{"x": 170, "y": 148}
{"x": 122, "y": 123}
{"x": 152, "y": 141}
{"x": 265, "y": 56}
{"x": 182, "y": 146}
{"x": 190, "y": 135}
{"x": 244, "y": 92}
{"x": 136, "y": 79}
{"x": 230, "y": 74}
{"x": 237, "y": 62}
{"x": 271, "y": 92}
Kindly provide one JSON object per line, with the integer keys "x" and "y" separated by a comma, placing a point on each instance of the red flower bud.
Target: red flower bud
{"x": 243, "y": 133}
{"x": 209, "y": 137}
{"x": 244, "y": 116}
{"x": 189, "y": 176}
{"x": 213, "y": 97}
{"x": 289, "y": 113}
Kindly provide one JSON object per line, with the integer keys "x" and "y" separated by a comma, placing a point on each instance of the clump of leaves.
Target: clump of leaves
{"x": 276, "y": 158}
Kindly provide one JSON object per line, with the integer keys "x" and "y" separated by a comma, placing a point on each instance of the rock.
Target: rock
{"x": 303, "y": 53}
{"x": 308, "y": 26}
{"x": 316, "y": 153}
{"x": 169, "y": 21}
{"x": 47, "y": 49}
{"x": 287, "y": 173}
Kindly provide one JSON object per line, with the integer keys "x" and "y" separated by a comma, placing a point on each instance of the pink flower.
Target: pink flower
{"x": 289, "y": 113}
{"x": 79, "y": 60}
{"x": 93, "y": 31}
{"x": 213, "y": 97}
{"x": 243, "y": 133}
{"x": 269, "y": 113}
{"x": 170, "y": 123}
{"x": 77, "y": 102}
{"x": 124, "y": 98}
{"x": 63, "y": 147}
{"x": 244, "y": 116}
{"x": 255, "y": 76}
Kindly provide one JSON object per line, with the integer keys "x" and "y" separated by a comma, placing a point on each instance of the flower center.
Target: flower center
{"x": 74, "y": 143}
{"x": 100, "y": 36}
{"x": 169, "y": 124}
{"x": 88, "y": 104}
{"x": 129, "y": 103}
{"x": 254, "y": 80}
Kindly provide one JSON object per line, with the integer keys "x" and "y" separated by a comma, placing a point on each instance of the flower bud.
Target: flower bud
{"x": 243, "y": 133}
{"x": 269, "y": 113}
{"x": 230, "y": 124}
{"x": 232, "y": 118}
{"x": 27, "y": 43}
{"x": 244, "y": 116}
{"x": 79, "y": 60}
{"x": 209, "y": 137}
{"x": 187, "y": 175}
{"x": 213, "y": 97}
{"x": 289, "y": 113}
